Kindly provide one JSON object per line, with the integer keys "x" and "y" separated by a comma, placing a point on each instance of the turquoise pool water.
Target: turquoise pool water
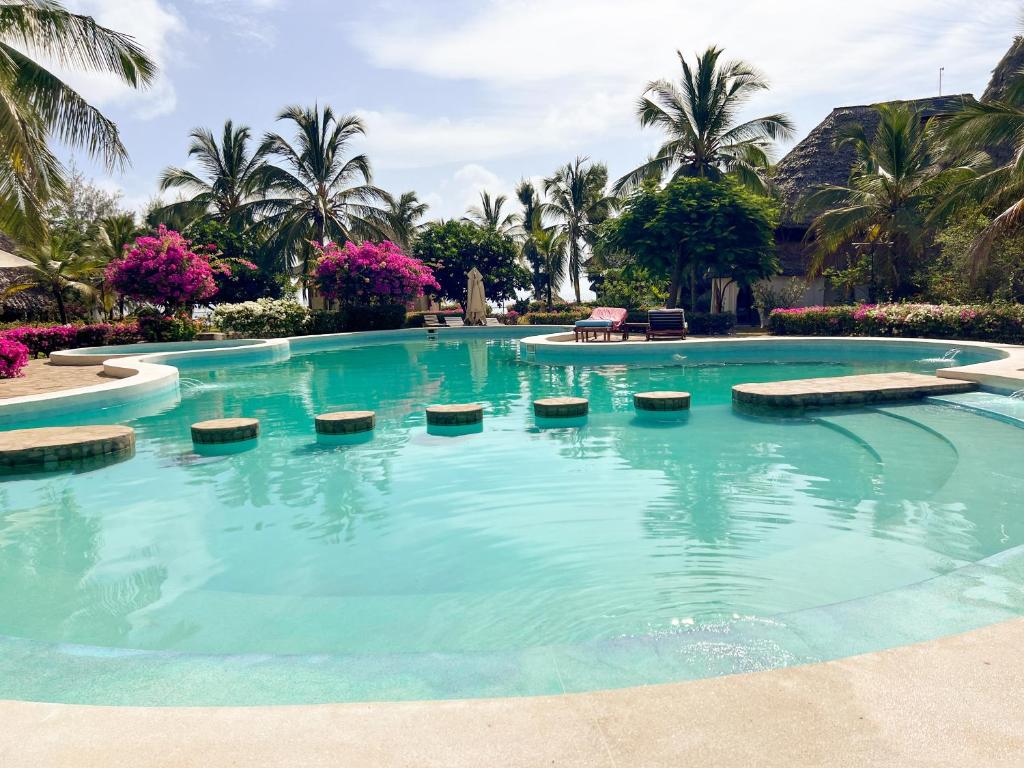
{"x": 519, "y": 560}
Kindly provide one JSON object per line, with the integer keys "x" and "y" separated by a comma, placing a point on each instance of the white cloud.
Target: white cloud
{"x": 556, "y": 73}
{"x": 156, "y": 27}
{"x": 461, "y": 190}
{"x": 405, "y": 140}
{"x": 244, "y": 18}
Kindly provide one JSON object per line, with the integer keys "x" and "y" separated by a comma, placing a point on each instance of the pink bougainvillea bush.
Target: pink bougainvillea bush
{"x": 370, "y": 273}
{"x": 164, "y": 269}
{"x": 13, "y": 358}
{"x": 980, "y": 322}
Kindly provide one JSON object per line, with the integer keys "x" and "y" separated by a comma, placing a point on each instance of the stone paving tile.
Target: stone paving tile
{"x": 42, "y": 377}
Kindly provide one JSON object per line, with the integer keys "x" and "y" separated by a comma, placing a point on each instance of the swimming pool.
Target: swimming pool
{"x": 517, "y": 561}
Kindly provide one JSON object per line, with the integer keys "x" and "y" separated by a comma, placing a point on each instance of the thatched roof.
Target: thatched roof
{"x": 815, "y": 162}
{"x": 1007, "y": 70}
{"x": 31, "y": 304}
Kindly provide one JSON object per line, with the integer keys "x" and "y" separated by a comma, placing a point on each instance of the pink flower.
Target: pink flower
{"x": 13, "y": 358}
{"x": 164, "y": 269}
{"x": 381, "y": 270}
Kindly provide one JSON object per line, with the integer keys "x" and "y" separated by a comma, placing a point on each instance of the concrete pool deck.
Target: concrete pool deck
{"x": 948, "y": 702}
{"x": 42, "y": 377}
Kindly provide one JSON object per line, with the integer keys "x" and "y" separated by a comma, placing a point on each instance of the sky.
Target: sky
{"x": 462, "y": 96}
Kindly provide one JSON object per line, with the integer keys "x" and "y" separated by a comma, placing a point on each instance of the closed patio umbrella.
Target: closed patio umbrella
{"x": 476, "y": 302}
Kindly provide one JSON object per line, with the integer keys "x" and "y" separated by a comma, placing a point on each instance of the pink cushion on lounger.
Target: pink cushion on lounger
{"x": 615, "y": 315}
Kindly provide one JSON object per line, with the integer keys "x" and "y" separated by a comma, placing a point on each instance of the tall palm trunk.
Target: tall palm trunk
{"x": 62, "y": 310}
{"x": 574, "y": 267}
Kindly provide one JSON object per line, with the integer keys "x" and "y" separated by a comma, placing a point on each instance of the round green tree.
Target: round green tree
{"x": 452, "y": 248}
{"x": 694, "y": 229}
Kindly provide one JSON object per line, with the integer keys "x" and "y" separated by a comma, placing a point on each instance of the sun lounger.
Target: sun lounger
{"x": 431, "y": 321}
{"x": 491, "y": 321}
{"x": 602, "y": 320}
{"x": 454, "y": 322}
{"x": 666, "y": 324}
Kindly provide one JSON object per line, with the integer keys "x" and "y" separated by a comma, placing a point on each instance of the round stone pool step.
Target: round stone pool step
{"x": 50, "y": 448}
{"x": 661, "y": 401}
{"x": 455, "y": 415}
{"x": 561, "y": 407}
{"x": 221, "y": 431}
{"x": 346, "y": 422}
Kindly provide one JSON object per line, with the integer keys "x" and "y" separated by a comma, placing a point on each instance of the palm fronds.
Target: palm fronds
{"x": 698, "y": 117}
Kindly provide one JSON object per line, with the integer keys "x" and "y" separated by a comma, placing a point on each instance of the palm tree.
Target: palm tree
{"x": 488, "y": 213}
{"x": 59, "y": 269}
{"x": 235, "y": 176}
{"x": 403, "y": 215}
{"x": 528, "y": 222}
{"x": 698, "y": 117}
{"x": 36, "y": 105}
{"x": 979, "y": 127}
{"x": 114, "y": 234}
{"x": 322, "y": 194}
{"x": 893, "y": 184}
{"x": 550, "y": 243}
{"x": 579, "y": 203}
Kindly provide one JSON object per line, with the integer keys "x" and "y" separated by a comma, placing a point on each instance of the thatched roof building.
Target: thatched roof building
{"x": 814, "y": 162}
{"x": 1008, "y": 68}
{"x": 30, "y": 304}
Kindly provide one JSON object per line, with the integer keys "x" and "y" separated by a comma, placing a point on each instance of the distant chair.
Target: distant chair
{"x": 454, "y": 322}
{"x": 491, "y": 321}
{"x": 666, "y": 324}
{"x": 602, "y": 320}
{"x": 431, "y": 321}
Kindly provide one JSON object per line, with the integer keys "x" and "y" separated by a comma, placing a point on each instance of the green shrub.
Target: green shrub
{"x": 356, "y": 318}
{"x": 707, "y": 324}
{"x": 321, "y": 321}
{"x": 262, "y": 319}
{"x": 567, "y": 317}
{"x": 375, "y": 317}
{"x": 1002, "y": 323}
{"x": 156, "y": 327}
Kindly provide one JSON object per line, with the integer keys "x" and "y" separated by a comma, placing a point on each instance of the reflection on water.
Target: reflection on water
{"x": 518, "y": 535}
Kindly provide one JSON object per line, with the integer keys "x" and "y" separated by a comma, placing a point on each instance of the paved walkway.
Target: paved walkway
{"x": 41, "y": 377}
{"x": 951, "y": 702}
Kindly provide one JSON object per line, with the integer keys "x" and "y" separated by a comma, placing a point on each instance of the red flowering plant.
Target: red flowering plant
{"x": 164, "y": 269}
{"x": 370, "y": 273}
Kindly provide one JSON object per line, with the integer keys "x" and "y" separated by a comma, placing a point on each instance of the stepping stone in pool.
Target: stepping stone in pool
{"x": 346, "y": 422}
{"x": 661, "y": 401}
{"x": 561, "y": 407}
{"x": 52, "y": 448}
{"x": 222, "y": 431}
{"x": 455, "y": 415}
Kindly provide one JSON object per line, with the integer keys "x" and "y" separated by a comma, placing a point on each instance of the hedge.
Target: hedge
{"x": 707, "y": 324}
{"x": 44, "y": 340}
{"x": 566, "y": 317}
{"x": 276, "y": 318}
{"x": 1002, "y": 323}
{"x": 351, "y": 317}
